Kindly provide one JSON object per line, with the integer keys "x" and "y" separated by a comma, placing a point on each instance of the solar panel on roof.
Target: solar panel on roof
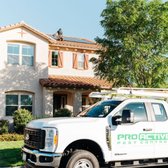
{"x": 77, "y": 40}
{"x": 73, "y": 39}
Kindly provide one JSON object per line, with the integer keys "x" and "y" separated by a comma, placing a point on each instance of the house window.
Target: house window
{"x": 80, "y": 61}
{"x": 18, "y": 101}
{"x": 20, "y": 54}
{"x": 54, "y": 58}
{"x": 57, "y": 59}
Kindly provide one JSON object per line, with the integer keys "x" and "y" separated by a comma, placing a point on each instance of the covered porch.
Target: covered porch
{"x": 69, "y": 92}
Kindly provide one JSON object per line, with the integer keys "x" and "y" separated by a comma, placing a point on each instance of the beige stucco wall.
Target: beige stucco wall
{"x": 19, "y": 77}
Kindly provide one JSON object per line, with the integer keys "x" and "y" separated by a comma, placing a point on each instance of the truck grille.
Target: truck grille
{"x": 34, "y": 138}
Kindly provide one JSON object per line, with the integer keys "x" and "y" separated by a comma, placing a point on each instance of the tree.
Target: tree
{"x": 133, "y": 50}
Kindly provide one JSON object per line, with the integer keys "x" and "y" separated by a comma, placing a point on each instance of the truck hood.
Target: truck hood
{"x": 54, "y": 122}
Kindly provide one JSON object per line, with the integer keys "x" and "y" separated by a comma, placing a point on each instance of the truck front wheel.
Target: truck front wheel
{"x": 82, "y": 159}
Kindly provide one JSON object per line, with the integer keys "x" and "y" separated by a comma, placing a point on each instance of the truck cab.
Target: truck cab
{"x": 114, "y": 132}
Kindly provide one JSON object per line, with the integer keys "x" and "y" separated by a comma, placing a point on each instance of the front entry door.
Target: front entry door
{"x": 59, "y": 102}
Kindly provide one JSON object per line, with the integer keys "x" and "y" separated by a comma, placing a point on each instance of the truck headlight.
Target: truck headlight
{"x": 51, "y": 139}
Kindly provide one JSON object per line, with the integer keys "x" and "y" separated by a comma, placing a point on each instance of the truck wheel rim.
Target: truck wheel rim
{"x": 83, "y": 163}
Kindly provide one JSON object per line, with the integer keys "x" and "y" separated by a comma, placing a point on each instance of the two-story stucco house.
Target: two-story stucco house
{"x": 44, "y": 73}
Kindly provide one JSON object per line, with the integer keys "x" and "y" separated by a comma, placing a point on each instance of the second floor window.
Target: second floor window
{"x": 20, "y": 54}
{"x": 80, "y": 61}
{"x": 56, "y": 59}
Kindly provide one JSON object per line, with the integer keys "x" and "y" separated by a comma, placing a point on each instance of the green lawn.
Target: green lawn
{"x": 10, "y": 153}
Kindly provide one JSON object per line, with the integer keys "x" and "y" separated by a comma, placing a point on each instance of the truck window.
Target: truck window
{"x": 159, "y": 111}
{"x": 138, "y": 109}
{"x": 100, "y": 109}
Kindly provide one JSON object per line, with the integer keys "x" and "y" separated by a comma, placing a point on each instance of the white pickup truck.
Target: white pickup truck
{"x": 115, "y": 133}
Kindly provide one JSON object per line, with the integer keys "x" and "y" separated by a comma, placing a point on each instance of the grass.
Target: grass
{"x": 10, "y": 153}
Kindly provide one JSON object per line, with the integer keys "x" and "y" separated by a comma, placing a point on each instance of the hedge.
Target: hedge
{"x": 11, "y": 137}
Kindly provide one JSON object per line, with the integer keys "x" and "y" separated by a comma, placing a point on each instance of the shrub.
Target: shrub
{"x": 63, "y": 113}
{"x": 21, "y": 117}
{"x": 11, "y": 137}
{"x": 4, "y": 126}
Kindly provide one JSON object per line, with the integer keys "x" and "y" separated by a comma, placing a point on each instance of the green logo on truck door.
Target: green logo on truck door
{"x": 142, "y": 138}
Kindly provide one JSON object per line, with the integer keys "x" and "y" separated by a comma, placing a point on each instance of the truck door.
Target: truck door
{"x": 160, "y": 137}
{"x": 129, "y": 139}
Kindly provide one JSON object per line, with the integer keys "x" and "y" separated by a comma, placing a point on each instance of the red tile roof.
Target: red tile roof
{"x": 74, "y": 82}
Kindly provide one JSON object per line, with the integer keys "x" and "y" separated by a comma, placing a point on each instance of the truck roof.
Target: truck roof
{"x": 136, "y": 99}
{"x": 124, "y": 93}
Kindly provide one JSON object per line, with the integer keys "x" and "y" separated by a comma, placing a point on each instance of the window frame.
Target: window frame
{"x": 81, "y": 61}
{"x": 20, "y": 54}
{"x": 54, "y": 58}
{"x": 19, "y": 104}
{"x": 77, "y": 61}
{"x": 154, "y": 112}
{"x": 59, "y": 59}
{"x": 131, "y": 103}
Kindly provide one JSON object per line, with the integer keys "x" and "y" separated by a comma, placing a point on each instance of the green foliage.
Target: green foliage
{"x": 135, "y": 43}
{"x": 11, "y": 137}
{"x": 4, "y": 126}
{"x": 63, "y": 113}
{"x": 21, "y": 117}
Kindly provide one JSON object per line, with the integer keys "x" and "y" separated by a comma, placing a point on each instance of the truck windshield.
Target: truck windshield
{"x": 100, "y": 109}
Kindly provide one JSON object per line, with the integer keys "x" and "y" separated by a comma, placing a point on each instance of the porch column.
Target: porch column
{"x": 77, "y": 103}
{"x": 47, "y": 102}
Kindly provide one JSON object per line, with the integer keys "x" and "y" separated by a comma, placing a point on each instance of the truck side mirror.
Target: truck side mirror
{"x": 127, "y": 116}
{"x": 116, "y": 120}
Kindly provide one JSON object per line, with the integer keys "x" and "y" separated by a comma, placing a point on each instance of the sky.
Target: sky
{"x": 76, "y": 18}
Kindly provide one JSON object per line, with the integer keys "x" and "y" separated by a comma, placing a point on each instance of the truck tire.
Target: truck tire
{"x": 82, "y": 159}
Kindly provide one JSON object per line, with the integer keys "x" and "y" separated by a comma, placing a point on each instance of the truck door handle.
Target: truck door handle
{"x": 147, "y": 129}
